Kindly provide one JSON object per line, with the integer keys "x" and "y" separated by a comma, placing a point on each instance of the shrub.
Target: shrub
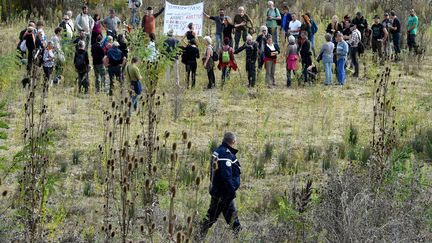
{"x": 312, "y": 152}
{"x": 352, "y": 135}
{"x": 213, "y": 144}
{"x": 268, "y": 151}
{"x": 76, "y": 157}
{"x": 63, "y": 166}
{"x": 88, "y": 190}
{"x": 202, "y": 107}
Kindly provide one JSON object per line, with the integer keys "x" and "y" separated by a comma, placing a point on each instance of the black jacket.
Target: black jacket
{"x": 251, "y": 51}
{"x": 305, "y": 52}
{"x": 267, "y": 51}
{"x": 97, "y": 54}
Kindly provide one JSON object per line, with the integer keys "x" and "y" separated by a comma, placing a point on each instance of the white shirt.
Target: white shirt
{"x": 272, "y": 47}
{"x": 84, "y": 22}
{"x": 294, "y": 26}
{"x": 153, "y": 53}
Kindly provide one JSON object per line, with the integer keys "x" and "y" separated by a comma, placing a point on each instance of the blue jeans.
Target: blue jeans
{"x": 312, "y": 41}
{"x": 341, "y": 70}
{"x": 218, "y": 42}
{"x": 134, "y": 18}
{"x": 328, "y": 72}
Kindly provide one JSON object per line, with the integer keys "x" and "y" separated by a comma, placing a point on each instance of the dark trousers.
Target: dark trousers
{"x": 191, "y": 68}
{"x": 251, "y": 71}
{"x": 29, "y": 60}
{"x": 225, "y": 75}
{"x": 114, "y": 71}
{"x": 377, "y": 47}
{"x": 211, "y": 78}
{"x": 47, "y": 71}
{"x": 260, "y": 61}
{"x": 411, "y": 42}
{"x": 396, "y": 42}
{"x": 218, "y": 206}
{"x": 238, "y": 34}
{"x": 354, "y": 59}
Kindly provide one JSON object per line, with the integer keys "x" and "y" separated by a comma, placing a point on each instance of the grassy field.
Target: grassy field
{"x": 284, "y": 139}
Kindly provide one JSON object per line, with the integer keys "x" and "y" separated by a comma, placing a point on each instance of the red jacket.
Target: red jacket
{"x": 231, "y": 64}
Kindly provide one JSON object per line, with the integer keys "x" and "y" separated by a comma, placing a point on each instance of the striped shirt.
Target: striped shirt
{"x": 355, "y": 38}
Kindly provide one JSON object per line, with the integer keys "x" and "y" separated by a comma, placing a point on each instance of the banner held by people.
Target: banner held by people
{"x": 177, "y": 18}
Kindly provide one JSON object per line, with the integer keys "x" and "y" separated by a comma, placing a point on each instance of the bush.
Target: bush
{"x": 88, "y": 190}
{"x": 268, "y": 151}
{"x": 352, "y": 135}
{"x": 312, "y": 152}
{"x": 202, "y": 108}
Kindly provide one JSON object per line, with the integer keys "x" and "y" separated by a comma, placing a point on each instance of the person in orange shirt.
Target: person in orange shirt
{"x": 149, "y": 20}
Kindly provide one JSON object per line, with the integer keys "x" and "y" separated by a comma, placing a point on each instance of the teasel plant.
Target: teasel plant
{"x": 384, "y": 132}
{"x": 32, "y": 196}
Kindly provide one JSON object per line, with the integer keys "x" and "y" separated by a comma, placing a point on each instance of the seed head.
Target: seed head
{"x": 198, "y": 181}
{"x": 189, "y": 145}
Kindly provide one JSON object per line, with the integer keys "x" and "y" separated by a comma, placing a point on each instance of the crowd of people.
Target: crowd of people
{"x": 285, "y": 34}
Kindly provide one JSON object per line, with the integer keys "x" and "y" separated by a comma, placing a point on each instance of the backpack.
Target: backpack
{"x": 225, "y": 56}
{"x": 215, "y": 56}
{"x": 80, "y": 62}
{"x": 277, "y": 12}
{"x": 314, "y": 27}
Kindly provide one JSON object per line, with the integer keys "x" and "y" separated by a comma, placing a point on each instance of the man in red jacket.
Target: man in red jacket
{"x": 149, "y": 20}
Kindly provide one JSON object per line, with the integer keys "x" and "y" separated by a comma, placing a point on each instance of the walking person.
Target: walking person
{"x": 97, "y": 29}
{"x": 361, "y": 24}
{"x": 133, "y": 77}
{"x": 149, "y": 20}
{"x": 189, "y": 58}
{"x": 208, "y": 62}
{"x": 286, "y": 19}
{"x": 219, "y": 21}
{"x": 292, "y": 57}
{"x": 305, "y": 54}
{"x": 68, "y": 27}
{"x": 48, "y": 60}
{"x": 58, "y": 53}
{"x": 225, "y": 180}
{"x": 134, "y": 6}
{"x": 387, "y": 22}
{"x": 412, "y": 27}
{"x": 30, "y": 44}
{"x": 261, "y": 40}
{"x": 354, "y": 42}
{"x": 98, "y": 55}
{"x": 272, "y": 15}
{"x": 271, "y": 51}
{"x": 341, "y": 56}
{"x": 171, "y": 48}
{"x": 379, "y": 36}
{"x": 251, "y": 48}
{"x": 326, "y": 55}
{"x": 82, "y": 66}
{"x": 242, "y": 24}
{"x": 226, "y": 60}
{"x": 395, "y": 32}
{"x": 84, "y": 22}
{"x": 314, "y": 31}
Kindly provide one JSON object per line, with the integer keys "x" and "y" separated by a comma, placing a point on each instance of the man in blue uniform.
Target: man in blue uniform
{"x": 225, "y": 180}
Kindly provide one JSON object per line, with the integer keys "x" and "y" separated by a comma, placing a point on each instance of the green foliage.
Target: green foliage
{"x": 161, "y": 186}
{"x": 259, "y": 167}
{"x": 268, "y": 151}
{"x": 352, "y": 135}
{"x": 202, "y": 107}
{"x": 3, "y": 125}
{"x": 422, "y": 144}
{"x": 76, "y": 157}
{"x": 312, "y": 152}
{"x": 213, "y": 144}
{"x": 88, "y": 189}
{"x": 366, "y": 153}
{"x": 283, "y": 160}
{"x": 8, "y": 71}
{"x": 286, "y": 211}
{"x": 63, "y": 166}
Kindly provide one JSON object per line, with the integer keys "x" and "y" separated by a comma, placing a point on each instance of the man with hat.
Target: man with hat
{"x": 379, "y": 36}
{"x": 361, "y": 23}
{"x": 149, "y": 20}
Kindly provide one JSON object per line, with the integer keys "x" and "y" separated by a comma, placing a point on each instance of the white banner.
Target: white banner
{"x": 177, "y": 18}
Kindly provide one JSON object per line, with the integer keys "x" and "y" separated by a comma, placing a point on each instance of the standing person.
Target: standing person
{"x": 84, "y": 22}
{"x": 98, "y": 54}
{"x": 341, "y": 56}
{"x": 189, "y": 58}
{"x": 81, "y": 37}
{"x": 354, "y": 42}
{"x": 134, "y": 6}
{"x": 228, "y": 30}
{"x": 149, "y": 20}
{"x": 272, "y": 15}
{"x": 116, "y": 60}
{"x": 412, "y": 27}
{"x": 190, "y": 34}
{"x": 271, "y": 51}
{"x": 346, "y": 31}
{"x": 314, "y": 31}
{"x": 262, "y": 41}
{"x": 379, "y": 35}
{"x": 286, "y": 19}
{"x": 48, "y": 60}
{"x": 97, "y": 29}
{"x": 68, "y": 27}
{"x": 361, "y": 24}
{"x": 219, "y": 21}
{"x": 294, "y": 26}
{"x": 251, "y": 48}
{"x": 242, "y": 23}
{"x": 326, "y": 55}
{"x": 387, "y": 22}
{"x": 58, "y": 53}
{"x": 305, "y": 54}
{"x": 208, "y": 62}
{"x": 123, "y": 45}
{"x": 111, "y": 24}
{"x": 306, "y": 25}
{"x": 133, "y": 77}
{"x": 153, "y": 56}
{"x": 394, "y": 30}
{"x": 334, "y": 27}
{"x": 171, "y": 46}
{"x": 225, "y": 180}
{"x": 226, "y": 60}
{"x": 30, "y": 39}
{"x": 81, "y": 62}
{"x": 291, "y": 59}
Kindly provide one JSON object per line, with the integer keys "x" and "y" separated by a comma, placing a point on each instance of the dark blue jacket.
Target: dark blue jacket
{"x": 226, "y": 178}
